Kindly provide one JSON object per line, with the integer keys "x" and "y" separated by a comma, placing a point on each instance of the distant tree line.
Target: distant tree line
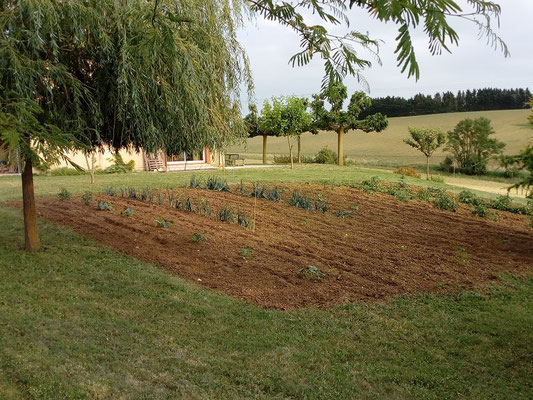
{"x": 470, "y": 100}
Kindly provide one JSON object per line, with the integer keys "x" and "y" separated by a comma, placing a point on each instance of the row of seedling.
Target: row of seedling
{"x": 484, "y": 208}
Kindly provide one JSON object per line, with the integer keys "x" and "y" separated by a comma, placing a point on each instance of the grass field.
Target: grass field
{"x": 387, "y": 148}
{"x": 81, "y": 321}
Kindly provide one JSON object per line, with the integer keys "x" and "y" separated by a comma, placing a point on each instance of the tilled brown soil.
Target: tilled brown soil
{"x": 385, "y": 249}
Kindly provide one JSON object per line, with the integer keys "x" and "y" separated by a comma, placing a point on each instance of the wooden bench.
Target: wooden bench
{"x": 234, "y": 159}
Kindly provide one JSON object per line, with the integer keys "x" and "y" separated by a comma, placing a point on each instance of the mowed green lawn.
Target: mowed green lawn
{"x": 387, "y": 148}
{"x": 80, "y": 321}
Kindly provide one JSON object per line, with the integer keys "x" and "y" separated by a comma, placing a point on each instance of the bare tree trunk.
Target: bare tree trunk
{"x": 340, "y": 146}
{"x": 31, "y": 231}
{"x": 299, "y": 149}
{"x": 90, "y": 167}
{"x": 427, "y": 168}
{"x": 265, "y": 149}
{"x": 290, "y": 150}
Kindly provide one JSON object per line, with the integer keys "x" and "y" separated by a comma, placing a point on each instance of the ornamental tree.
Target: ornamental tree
{"x": 297, "y": 120}
{"x": 255, "y": 127}
{"x": 122, "y": 74}
{"x": 339, "y": 120}
{"x": 427, "y": 141}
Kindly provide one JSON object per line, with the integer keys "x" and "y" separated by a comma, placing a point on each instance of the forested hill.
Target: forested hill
{"x": 470, "y": 100}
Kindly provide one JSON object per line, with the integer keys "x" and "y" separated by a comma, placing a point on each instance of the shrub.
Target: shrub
{"x": 200, "y": 237}
{"x": 110, "y": 191}
{"x": 217, "y": 183}
{"x": 64, "y": 194}
{"x": 195, "y": 182}
{"x": 86, "y": 198}
{"x": 437, "y": 178}
{"x": 226, "y": 215}
{"x": 371, "y": 185}
{"x": 444, "y": 201}
{"x": 481, "y": 209}
{"x": 161, "y": 222}
{"x": 504, "y": 203}
{"x": 326, "y": 156}
{"x": 400, "y": 191}
{"x": 127, "y": 212}
{"x": 467, "y": 197}
{"x": 311, "y": 272}
{"x": 105, "y": 206}
{"x": 65, "y": 171}
{"x": 297, "y": 200}
{"x": 407, "y": 171}
{"x": 282, "y": 159}
{"x": 274, "y": 194}
{"x": 119, "y": 166}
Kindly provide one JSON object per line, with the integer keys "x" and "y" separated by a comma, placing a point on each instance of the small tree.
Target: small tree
{"x": 255, "y": 126}
{"x": 471, "y": 145}
{"x": 426, "y": 141}
{"x": 338, "y": 120}
{"x": 296, "y": 121}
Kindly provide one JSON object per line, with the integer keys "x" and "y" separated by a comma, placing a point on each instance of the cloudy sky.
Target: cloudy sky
{"x": 472, "y": 64}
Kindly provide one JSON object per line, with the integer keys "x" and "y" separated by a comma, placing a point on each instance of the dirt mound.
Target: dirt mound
{"x": 385, "y": 248}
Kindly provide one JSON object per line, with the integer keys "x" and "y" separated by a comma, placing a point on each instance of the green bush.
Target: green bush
{"x": 444, "y": 201}
{"x": 437, "y": 178}
{"x": 371, "y": 185}
{"x": 64, "y": 194}
{"x": 407, "y": 171}
{"x": 311, "y": 272}
{"x": 65, "y": 171}
{"x": 400, "y": 191}
{"x": 481, "y": 209}
{"x": 200, "y": 237}
{"x": 326, "y": 156}
{"x": 119, "y": 166}
{"x": 467, "y": 197}
{"x": 86, "y": 198}
{"x": 161, "y": 222}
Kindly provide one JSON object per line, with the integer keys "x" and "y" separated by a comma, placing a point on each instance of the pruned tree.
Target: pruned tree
{"x": 427, "y": 141}
{"x": 471, "y": 145}
{"x": 119, "y": 74}
{"x": 339, "y": 120}
{"x": 255, "y": 128}
{"x": 297, "y": 121}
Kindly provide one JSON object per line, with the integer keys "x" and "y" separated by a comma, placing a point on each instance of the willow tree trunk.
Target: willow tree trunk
{"x": 290, "y": 151}
{"x": 299, "y": 149}
{"x": 265, "y": 149}
{"x": 31, "y": 232}
{"x": 340, "y": 146}
{"x": 427, "y": 168}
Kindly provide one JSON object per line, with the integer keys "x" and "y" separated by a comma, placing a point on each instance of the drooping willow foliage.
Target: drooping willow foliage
{"x": 113, "y": 72}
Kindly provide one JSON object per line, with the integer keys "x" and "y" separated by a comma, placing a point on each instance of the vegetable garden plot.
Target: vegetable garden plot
{"x": 364, "y": 246}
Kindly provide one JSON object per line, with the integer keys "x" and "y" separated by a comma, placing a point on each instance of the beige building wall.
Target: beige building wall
{"x": 104, "y": 159}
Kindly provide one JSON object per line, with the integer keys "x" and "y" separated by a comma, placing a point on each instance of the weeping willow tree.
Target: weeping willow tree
{"x": 88, "y": 73}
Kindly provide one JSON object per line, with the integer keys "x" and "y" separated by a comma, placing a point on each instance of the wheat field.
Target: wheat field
{"x": 387, "y": 148}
